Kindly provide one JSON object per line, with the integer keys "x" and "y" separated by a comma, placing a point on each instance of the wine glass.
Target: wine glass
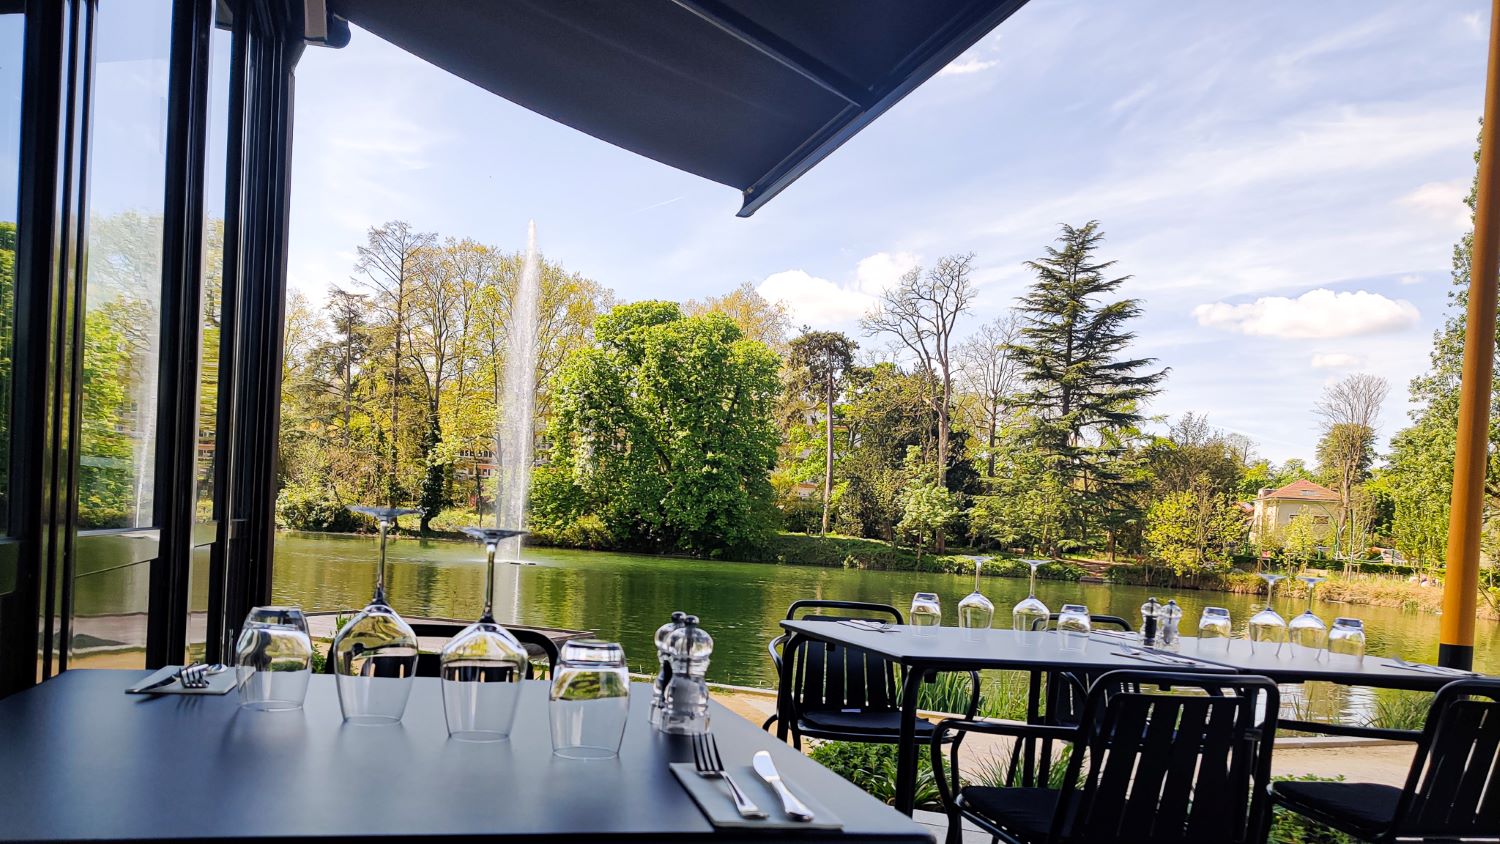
{"x": 925, "y": 610}
{"x": 1267, "y": 627}
{"x": 1214, "y": 624}
{"x": 1346, "y": 641}
{"x": 375, "y": 654}
{"x": 483, "y": 666}
{"x": 976, "y": 611}
{"x": 1074, "y": 625}
{"x": 1030, "y": 615}
{"x": 1307, "y": 632}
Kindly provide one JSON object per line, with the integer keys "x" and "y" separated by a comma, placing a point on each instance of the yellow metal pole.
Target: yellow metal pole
{"x": 1461, "y": 586}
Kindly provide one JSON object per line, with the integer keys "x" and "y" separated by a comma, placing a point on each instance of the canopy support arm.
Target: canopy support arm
{"x": 1471, "y": 458}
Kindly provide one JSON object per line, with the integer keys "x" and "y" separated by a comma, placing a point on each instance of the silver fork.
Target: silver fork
{"x": 710, "y": 766}
{"x": 194, "y": 676}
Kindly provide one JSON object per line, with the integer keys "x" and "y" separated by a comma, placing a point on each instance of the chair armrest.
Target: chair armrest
{"x": 1004, "y": 728}
{"x": 775, "y": 654}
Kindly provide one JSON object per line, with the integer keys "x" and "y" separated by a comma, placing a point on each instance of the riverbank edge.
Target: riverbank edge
{"x": 874, "y": 555}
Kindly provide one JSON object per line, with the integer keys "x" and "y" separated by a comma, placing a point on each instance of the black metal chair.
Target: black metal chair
{"x": 838, "y": 692}
{"x": 1060, "y": 703}
{"x": 1452, "y": 791}
{"x": 537, "y": 643}
{"x": 1146, "y": 766}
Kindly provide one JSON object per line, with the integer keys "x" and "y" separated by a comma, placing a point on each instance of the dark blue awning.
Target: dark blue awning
{"x": 747, "y": 93}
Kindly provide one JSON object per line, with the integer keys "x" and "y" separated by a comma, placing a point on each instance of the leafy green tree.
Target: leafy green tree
{"x": 1081, "y": 390}
{"x": 926, "y": 511}
{"x": 663, "y": 431}
{"x": 1025, "y": 504}
{"x": 1193, "y": 527}
{"x": 820, "y": 360}
{"x": 1300, "y": 540}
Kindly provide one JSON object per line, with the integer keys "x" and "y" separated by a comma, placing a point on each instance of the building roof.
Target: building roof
{"x": 747, "y": 93}
{"x": 1303, "y": 490}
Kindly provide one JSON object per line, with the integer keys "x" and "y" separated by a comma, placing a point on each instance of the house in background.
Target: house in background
{"x": 1276, "y": 508}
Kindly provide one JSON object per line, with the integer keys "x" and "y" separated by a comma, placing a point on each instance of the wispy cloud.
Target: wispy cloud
{"x": 962, "y": 66}
{"x": 1335, "y": 360}
{"x": 1443, "y": 201}
{"x": 1314, "y": 314}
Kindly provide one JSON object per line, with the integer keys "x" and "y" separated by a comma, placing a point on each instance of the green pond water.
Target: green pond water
{"x": 625, "y": 597}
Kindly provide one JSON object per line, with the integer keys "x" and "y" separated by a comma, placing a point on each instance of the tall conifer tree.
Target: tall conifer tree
{"x": 1081, "y": 391}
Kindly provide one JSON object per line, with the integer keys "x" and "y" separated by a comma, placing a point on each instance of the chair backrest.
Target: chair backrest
{"x": 819, "y": 676}
{"x": 1171, "y": 765}
{"x": 1095, "y": 619}
{"x": 537, "y": 643}
{"x": 1453, "y": 789}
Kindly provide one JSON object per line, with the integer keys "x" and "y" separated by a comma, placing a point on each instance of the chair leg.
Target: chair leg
{"x": 766, "y": 727}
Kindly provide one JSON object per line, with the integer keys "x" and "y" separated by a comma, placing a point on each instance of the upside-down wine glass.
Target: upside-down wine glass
{"x": 375, "y": 654}
{"x": 483, "y": 666}
{"x": 976, "y": 611}
{"x": 1307, "y": 632}
{"x": 1267, "y": 627}
{"x": 1029, "y": 617}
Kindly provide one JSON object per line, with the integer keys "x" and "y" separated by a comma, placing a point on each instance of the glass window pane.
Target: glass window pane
{"x": 12, "y": 31}
{"x": 213, "y": 267}
{"x": 127, "y": 174}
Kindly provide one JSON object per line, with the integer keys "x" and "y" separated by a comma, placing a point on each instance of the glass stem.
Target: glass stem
{"x": 380, "y": 569}
{"x": 488, "y": 615}
{"x": 976, "y": 575}
{"x": 1033, "y": 581}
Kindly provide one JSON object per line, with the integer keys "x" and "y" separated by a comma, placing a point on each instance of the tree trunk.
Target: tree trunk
{"x": 828, "y": 450}
{"x": 994, "y": 423}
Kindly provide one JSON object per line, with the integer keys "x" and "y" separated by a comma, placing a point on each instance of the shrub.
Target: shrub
{"x": 310, "y": 506}
{"x": 872, "y": 767}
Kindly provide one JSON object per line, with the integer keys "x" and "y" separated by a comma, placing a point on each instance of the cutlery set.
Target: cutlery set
{"x": 1444, "y": 671}
{"x": 193, "y": 676}
{"x": 710, "y": 765}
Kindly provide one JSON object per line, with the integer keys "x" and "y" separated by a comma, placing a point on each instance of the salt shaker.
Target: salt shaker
{"x": 684, "y": 709}
{"x": 1169, "y": 617}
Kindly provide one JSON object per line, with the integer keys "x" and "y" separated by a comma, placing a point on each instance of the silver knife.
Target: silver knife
{"x": 165, "y": 681}
{"x": 789, "y": 802}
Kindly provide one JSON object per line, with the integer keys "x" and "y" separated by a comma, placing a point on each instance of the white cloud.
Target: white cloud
{"x": 1410, "y": 278}
{"x": 1442, "y": 201}
{"x": 963, "y": 67}
{"x": 815, "y": 301}
{"x": 1335, "y": 360}
{"x": 882, "y": 270}
{"x": 1471, "y": 20}
{"x": 1316, "y": 313}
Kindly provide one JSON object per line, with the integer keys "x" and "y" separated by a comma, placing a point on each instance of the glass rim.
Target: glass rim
{"x": 1346, "y": 621}
{"x": 1076, "y": 609}
{"x": 1216, "y": 611}
{"x": 933, "y": 596}
{"x": 592, "y": 652}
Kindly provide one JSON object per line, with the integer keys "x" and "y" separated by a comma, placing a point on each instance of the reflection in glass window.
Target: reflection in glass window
{"x": 213, "y": 268}
{"x": 12, "y": 30}
{"x": 127, "y": 172}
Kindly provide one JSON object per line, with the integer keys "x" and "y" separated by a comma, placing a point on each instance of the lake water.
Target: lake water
{"x": 625, "y": 597}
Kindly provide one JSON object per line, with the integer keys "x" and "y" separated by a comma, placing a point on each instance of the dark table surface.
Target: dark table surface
{"x": 81, "y": 760}
{"x": 959, "y": 649}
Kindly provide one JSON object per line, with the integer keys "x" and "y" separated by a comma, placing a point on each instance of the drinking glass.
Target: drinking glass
{"x": 1030, "y": 615}
{"x": 1214, "y": 624}
{"x": 483, "y": 666}
{"x": 375, "y": 654}
{"x": 1267, "y": 627}
{"x": 976, "y": 611}
{"x": 590, "y": 700}
{"x": 1346, "y": 641}
{"x": 1074, "y": 625}
{"x": 1307, "y": 632}
{"x": 925, "y": 610}
{"x": 273, "y": 659}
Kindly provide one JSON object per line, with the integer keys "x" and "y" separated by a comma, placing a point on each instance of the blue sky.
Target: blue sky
{"x": 1283, "y": 180}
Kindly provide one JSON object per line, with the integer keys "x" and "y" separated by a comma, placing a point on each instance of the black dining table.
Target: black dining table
{"x": 922, "y": 650}
{"x": 82, "y": 761}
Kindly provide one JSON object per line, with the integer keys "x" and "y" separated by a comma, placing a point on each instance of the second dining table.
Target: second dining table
{"x": 921, "y": 650}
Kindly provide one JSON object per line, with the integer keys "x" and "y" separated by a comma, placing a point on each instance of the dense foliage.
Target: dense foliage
{"x": 663, "y": 432}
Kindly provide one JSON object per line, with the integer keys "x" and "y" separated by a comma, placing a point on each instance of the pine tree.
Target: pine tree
{"x": 1080, "y": 393}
